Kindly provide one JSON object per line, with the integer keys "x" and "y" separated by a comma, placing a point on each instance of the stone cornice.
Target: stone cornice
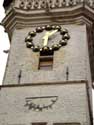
{"x": 46, "y": 83}
{"x": 18, "y": 17}
{"x": 27, "y": 11}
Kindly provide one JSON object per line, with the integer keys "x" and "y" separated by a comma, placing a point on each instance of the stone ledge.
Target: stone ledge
{"x": 46, "y": 83}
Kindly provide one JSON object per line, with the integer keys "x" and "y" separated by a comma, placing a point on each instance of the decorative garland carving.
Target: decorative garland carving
{"x": 40, "y": 4}
{"x": 40, "y": 103}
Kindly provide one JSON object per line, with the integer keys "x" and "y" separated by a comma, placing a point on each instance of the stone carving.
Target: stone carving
{"x": 40, "y": 103}
{"x": 57, "y": 3}
{"x": 43, "y": 4}
{"x": 90, "y": 3}
{"x": 36, "y": 4}
{"x": 22, "y": 4}
{"x": 29, "y": 5}
{"x": 40, "y": 4}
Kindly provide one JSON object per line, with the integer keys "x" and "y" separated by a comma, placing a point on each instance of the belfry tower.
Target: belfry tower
{"x": 50, "y": 68}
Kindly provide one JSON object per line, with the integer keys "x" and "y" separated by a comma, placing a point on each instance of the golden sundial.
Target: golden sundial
{"x": 52, "y": 38}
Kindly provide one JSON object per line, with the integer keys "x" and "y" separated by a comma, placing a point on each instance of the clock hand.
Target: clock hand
{"x": 45, "y": 39}
{"x": 51, "y": 33}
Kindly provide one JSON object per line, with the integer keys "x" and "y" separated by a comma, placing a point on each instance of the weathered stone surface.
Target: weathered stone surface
{"x": 73, "y": 56}
{"x": 71, "y": 63}
{"x": 71, "y": 106}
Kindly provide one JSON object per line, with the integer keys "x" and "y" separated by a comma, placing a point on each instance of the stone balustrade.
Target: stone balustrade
{"x": 44, "y": 4}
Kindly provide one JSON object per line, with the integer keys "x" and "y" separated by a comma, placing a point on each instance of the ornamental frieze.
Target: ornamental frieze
{"x": 43, "y": 4}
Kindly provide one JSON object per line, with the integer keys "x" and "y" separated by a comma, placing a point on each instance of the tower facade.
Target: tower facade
{"x": 49, "y": 72}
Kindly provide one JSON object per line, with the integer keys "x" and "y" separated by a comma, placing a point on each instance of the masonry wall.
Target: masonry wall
{"x": 71, "y": 105}
{"x": 74, "y": 56}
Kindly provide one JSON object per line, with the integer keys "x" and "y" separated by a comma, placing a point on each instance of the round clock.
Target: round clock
{"x": 47, "y": 38}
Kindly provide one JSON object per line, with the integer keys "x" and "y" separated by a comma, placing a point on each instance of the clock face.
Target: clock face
{"x": 47, "y": 38}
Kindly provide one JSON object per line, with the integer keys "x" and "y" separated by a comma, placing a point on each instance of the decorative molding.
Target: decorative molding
{"x": 40, "y": 103}
{"x": 44, "y": 84}
{"x": 50, "y": 4}
{"x": 45, "y": 4}
{"x": 22, "y": 19}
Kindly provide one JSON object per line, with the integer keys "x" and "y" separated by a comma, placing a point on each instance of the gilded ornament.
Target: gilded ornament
{"x": 48, "y": 27}
{"x": 32, "y": 33}
{"x": 60, "y": 45}
{"x": 63, "y": 42}
{"x": 32, "y": 47}
{"x": 40, "y": 49}
{"x": 53, "y": 27}
{"x": 66, "y": 36}
{"x": 43, "y": 27}
{"x": 39, "y": 29}
{"x": 56, "y": 46}
{"x": 63, "y": 31}
{"x": 36, "y": 48}
{"x": 58, "y": 27}
{"x": 28, "y": 39}
{"x": 29, "y": 44}
{"x": 51, "y": 48}
{"x": 45, "y": 48}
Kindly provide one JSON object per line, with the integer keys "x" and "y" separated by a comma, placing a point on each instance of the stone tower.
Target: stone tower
{"x": 50, "y": 68}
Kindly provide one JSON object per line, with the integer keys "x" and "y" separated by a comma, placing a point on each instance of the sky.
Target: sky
{"x": 4, "y": 45}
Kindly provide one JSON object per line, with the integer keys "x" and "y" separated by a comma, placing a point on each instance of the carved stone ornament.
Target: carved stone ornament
{"x": 40, "y": 4}
{"x": 50, "y": 32}
{"x": 40, "y": 103}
